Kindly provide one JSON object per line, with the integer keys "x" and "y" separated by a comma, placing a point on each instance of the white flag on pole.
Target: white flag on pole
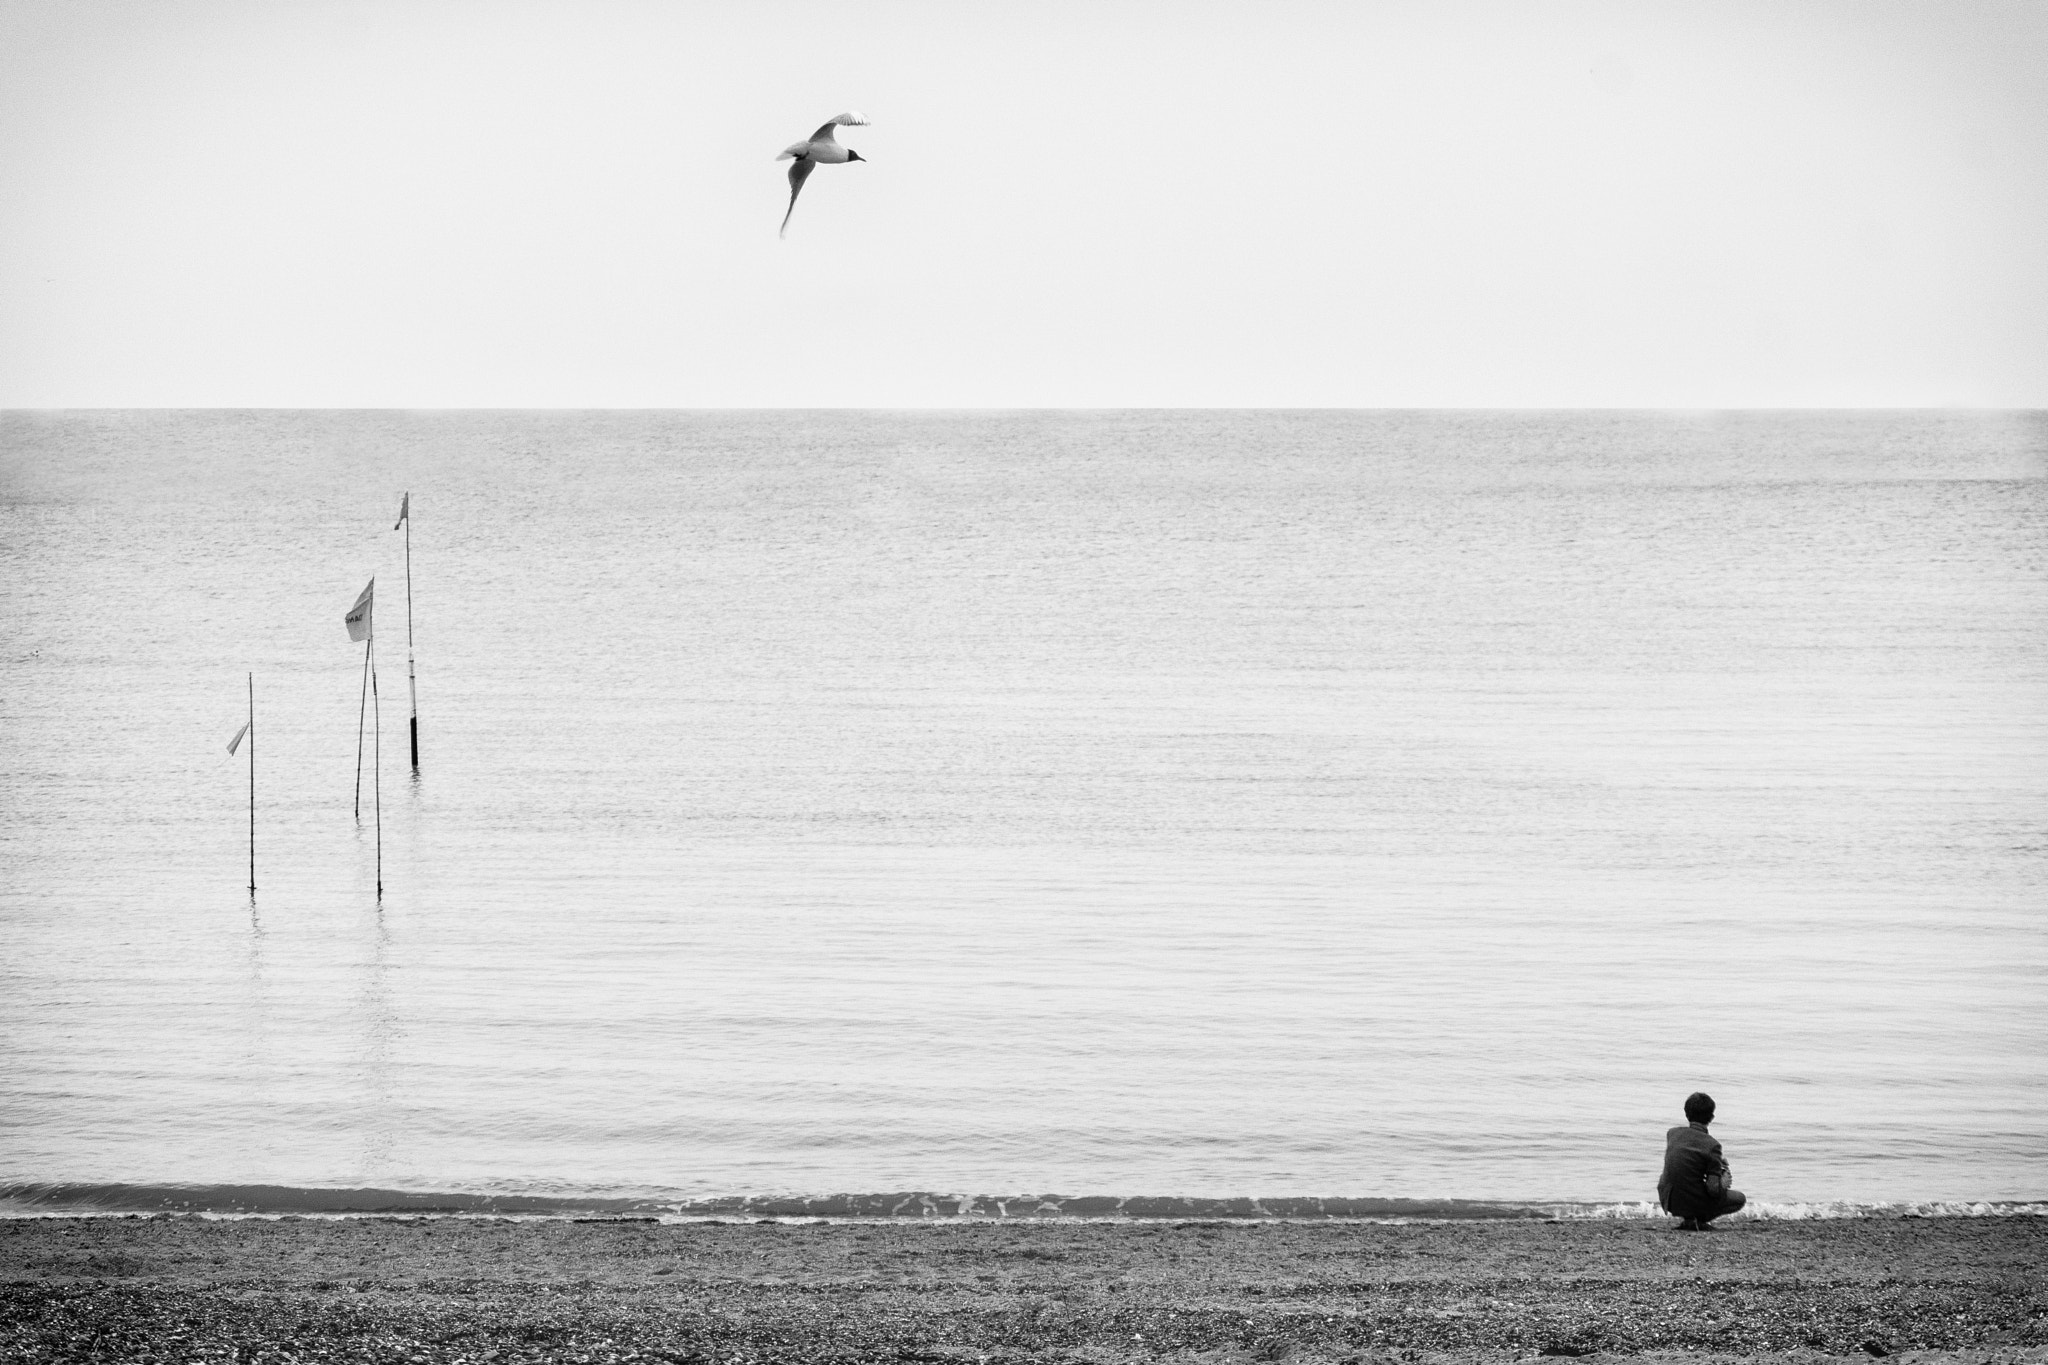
{"x": 358, "y": 618}
{"x": 236, "y": 742}
{"x": 404, "y": 510}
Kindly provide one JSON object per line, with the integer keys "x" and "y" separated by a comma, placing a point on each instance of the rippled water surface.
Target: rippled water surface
{"x": 1347, "y": 804}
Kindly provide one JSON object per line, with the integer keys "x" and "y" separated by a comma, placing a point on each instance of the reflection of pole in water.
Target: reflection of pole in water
{"x": 256, "y": 1026}
{"x": 377, "y": 1129}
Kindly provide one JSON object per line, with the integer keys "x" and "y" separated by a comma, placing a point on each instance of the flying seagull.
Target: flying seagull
{"x": 819, "y": 146}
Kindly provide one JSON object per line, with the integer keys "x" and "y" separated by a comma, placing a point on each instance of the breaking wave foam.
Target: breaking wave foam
{"x": 48, "y": 1199}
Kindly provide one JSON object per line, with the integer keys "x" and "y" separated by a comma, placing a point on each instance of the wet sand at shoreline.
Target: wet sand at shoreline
{"x": 462, "y": 1289}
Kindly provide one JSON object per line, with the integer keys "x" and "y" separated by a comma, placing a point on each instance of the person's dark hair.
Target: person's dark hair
{"x": 1699, "y": 1107}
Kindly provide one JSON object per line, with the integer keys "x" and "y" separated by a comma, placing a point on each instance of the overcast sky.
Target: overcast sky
{"x": 423, "y": 203}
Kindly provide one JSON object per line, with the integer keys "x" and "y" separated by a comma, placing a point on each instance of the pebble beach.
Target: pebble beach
{"x": 443, "y": 1289}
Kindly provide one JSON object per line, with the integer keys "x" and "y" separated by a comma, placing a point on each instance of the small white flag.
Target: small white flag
{"x": 236, "y": 742}
{"x": 404, "y": 511}
{"x": 358, "y": 618}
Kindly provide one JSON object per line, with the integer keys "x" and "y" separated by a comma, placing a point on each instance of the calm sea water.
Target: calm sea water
{"x": 1396, "y": 805}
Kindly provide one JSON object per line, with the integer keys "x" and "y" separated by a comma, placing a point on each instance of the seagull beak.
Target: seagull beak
{"x": 852, "y": 155}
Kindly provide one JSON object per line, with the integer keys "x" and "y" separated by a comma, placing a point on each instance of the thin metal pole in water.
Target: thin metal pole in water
{"x": 377, "y": 775}
{"x": 360, "y": 709}
{"x": 252, "y": 784}
{"x": 411, "y": 680}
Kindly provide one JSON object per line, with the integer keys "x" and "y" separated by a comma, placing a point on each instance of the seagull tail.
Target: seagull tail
{"x": 799, "y": 171}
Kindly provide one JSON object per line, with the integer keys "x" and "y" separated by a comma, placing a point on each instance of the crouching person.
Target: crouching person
{"x": 1696, "y": 1184}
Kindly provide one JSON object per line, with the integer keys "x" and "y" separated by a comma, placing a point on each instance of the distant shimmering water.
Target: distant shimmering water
{"x": 1379, "y": 805}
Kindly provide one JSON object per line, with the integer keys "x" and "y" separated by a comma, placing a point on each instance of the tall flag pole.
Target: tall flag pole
{"x": 249, "y": 729}
{"x": 377, "y": 763}
{"x": 358, "y": 623}
{"x": 362, "y": 715}
{"x": 411, "y": 680}
{"x": 252, "y": 783}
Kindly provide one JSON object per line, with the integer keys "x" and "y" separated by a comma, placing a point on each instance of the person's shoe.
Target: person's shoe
{"x": 1689, "y": 1225}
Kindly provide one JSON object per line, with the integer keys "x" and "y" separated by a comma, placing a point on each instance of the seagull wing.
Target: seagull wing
{"x": 799, "y": 172}
{"x": 851, "y": 118}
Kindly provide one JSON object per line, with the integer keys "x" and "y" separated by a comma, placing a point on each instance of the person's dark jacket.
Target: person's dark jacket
{"x": 1695, "y": 1176}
